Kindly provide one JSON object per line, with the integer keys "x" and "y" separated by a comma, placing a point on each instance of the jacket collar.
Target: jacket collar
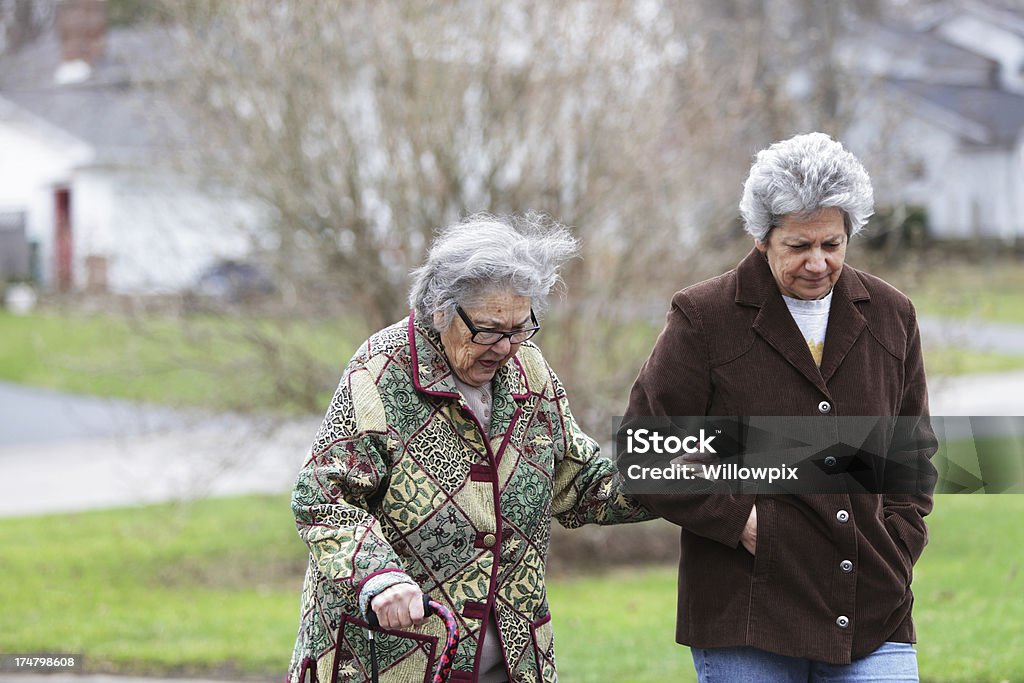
{"x": 433, "y": 375}
{"x": 755, "y": 286}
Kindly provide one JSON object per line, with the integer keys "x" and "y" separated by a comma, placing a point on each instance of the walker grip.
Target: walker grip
{"x": 371, "y": 616}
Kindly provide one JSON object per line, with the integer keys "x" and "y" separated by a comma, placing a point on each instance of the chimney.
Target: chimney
{"x": 82, "y": 25}
{"x": 83, "y": 30}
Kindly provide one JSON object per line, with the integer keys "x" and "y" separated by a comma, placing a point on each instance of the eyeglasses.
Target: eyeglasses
{"x": 490, "y": 337}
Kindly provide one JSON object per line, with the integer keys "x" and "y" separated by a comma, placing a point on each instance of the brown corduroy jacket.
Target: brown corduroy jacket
{"x": 730, "y": 347}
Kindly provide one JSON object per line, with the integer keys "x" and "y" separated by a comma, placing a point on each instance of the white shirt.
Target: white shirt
{"x": 479, "y": 401}
{"x": 812, "y": 319}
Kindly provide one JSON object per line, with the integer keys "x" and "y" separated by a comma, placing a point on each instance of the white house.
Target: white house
{"x": 82, "y": 164}
{"x": 945, "y": 123}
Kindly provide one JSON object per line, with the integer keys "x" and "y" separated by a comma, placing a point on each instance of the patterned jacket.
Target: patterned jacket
{"x": 401, "y": 482}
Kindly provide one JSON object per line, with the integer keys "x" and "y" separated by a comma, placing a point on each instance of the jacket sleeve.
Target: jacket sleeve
{"x": 676, "y": 381}
{"x": 587, "y": 488}
{"x": 910, "y": 475}
{"x": 346, "y": 469}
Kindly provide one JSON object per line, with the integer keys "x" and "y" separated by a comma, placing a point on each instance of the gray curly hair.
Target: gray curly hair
{"x": 801, "y": 175}
{"x": 472, "y": 258}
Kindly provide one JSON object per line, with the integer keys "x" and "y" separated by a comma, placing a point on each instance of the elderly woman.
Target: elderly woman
{"x": 800, "y": 587}
{"x": 446, "y": 451}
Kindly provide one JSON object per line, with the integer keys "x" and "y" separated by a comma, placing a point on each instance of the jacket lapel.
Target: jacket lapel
{"x": 755, "y": 286}
{"x": 845, "y": 321}
{"x": 775, "y": 324}
{"x": 432, "y": 374}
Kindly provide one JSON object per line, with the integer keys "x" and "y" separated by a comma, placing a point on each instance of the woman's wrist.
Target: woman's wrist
{"x": 377, "y": 584}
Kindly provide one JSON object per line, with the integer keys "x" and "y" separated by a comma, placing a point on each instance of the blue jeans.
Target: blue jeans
{"x": 890, "y": 663}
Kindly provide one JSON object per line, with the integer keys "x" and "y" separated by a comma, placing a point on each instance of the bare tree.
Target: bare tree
{"x": 363, "y": 126}
{"x": 22, "y": 21}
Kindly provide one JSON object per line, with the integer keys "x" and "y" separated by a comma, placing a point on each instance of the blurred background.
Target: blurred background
{"x": 205, "y": 206}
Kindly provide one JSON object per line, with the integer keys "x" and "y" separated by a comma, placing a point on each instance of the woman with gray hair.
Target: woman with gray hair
{"x": 447, "y": 449}
{"x": 805, "y": 586}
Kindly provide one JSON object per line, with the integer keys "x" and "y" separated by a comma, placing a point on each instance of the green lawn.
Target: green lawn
{"x": 992, "y": 291}
{"x": 946, "y": 360}
{"x": 211, "y": 588}
{"x": 238, "y": 364}
{"x": 204, "y": 587}
{"x": 204, "y": 361}
{"x": 997, "y": 462}
{"x": 968, "y": 587}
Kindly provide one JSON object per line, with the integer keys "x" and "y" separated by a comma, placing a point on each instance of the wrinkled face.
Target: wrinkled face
{"x": 475, "y": 364}
{"x": 806, "y": 253}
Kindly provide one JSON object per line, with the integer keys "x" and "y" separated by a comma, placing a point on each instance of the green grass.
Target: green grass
{"x": 997, "y": 462}
{"x": 202, "y": 361}
{"x": 968, "y": 610}
{"x": 618, "y": 626}
{"x": 993, "y": 292}
{"x": 205, "y": 587}
{"x": 947, "y": 360}
{"x": 211, "y": 588}
{"x": 239, "y": 364}
{"x": 968, "y": 587}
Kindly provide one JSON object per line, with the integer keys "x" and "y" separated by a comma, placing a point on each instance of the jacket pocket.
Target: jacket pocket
{"x": 401, "y": 655}
{"x": 544, "y": 647}
{"x": 898, "y": 555}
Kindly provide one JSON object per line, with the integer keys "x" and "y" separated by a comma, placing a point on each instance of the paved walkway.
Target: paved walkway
{"x": 973, "y": 334}
{"x": 988, "y": 394}
{"x": 60, "y": 453}
{"x": 32, "y": 415}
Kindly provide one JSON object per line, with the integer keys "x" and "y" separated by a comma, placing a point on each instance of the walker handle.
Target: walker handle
{"x": 451, "y": 643}
{"x": 371, "y": 616}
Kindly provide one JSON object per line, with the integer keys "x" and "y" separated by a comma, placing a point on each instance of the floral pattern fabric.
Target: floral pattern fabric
{"x": 401, "y": 479}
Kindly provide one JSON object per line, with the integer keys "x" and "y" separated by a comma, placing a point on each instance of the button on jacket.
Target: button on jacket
{"x": 831, "y": 577}
{"x": 401, "y": 482}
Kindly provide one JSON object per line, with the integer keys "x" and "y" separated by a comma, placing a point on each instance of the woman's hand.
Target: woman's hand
{"x": 749, "y": 535}
{"x": 399, "y": 606}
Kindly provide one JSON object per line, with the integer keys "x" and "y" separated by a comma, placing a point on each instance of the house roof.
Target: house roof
{"x": 999, "y": 113}
{"x": 899, "y": 52}
{"x": 954, "y": 82}
{"x": 116, "y": 110}
{"x": 1002, "y": 13}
